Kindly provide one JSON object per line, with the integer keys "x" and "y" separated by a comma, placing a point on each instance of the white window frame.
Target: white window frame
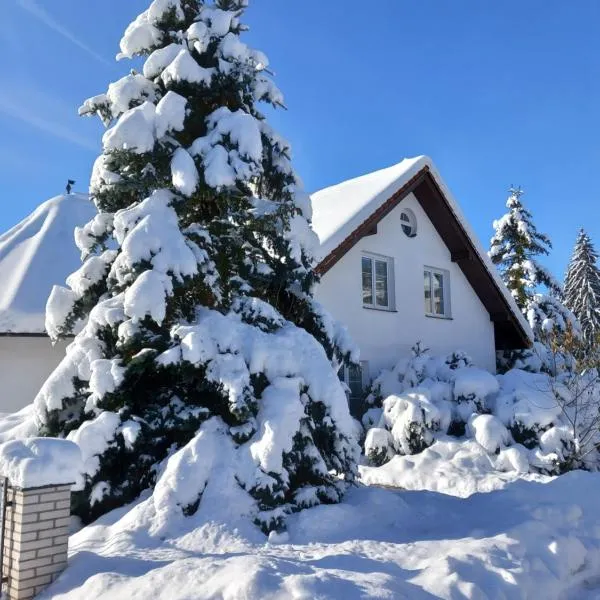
{"x": 445, "y": 274}
{"x": 390, "y": 280}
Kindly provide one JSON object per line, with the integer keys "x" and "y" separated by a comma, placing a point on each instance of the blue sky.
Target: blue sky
{"x": 497, "y": 93}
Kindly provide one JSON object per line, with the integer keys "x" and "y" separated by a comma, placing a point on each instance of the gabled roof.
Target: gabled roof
{"x": 35, "y": 255}
{"x": 344, "y": 213}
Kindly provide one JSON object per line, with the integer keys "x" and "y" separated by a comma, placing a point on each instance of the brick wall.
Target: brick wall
{"x": 36, "y": 538}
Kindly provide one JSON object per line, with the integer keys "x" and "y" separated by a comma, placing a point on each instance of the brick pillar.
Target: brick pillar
{"x": 36, "y": 538}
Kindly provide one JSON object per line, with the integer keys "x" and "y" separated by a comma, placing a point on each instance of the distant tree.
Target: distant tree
{"x": 514, "y": 248}
{"x": 582, "y": 287}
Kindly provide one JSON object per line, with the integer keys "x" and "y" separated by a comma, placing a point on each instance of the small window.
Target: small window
{"x": 377, "y": 282}
{"x": 436, "y": 292}
{"x": 408, "y": 221}
{"x": 356, "y": 378}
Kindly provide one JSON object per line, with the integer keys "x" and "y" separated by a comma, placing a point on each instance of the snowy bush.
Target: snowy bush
{"x": 411, "y": 418}
{"x": 378, "y": 446}
{"x": 524, "y": 421}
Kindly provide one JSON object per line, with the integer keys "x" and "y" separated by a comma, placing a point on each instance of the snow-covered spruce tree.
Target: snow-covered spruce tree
{"x": 582, "y": 288}
{"x": 514, "y": 247}
{"x": 195, "y": 288}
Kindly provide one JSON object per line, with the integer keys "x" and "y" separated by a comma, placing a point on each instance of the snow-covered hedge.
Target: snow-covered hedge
{"x": 525, "y": 421}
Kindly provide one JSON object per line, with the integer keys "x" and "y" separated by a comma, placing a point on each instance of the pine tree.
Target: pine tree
{"x": 514, "y": 248}
{"x": 582, "y": 287}
{"x": 195, "y": 292}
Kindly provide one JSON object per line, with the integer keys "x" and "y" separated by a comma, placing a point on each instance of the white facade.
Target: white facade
{"x": 25, "y": 363}
{"x": 384, "y": 336}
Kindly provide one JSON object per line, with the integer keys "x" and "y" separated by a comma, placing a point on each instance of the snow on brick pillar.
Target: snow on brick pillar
{"x": 36, "y": 538}
{"x": 41, "y": 472}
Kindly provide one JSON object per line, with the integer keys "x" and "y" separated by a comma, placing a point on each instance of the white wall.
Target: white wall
{"x": 25, "y": 363}
{"x": 385, "y": 336}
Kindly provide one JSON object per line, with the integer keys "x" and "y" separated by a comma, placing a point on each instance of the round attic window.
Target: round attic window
{"x": 408, "y": 222}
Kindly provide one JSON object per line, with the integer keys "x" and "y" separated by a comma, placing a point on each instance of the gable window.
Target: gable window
{"x": 377, "y": 282}
{"x": 436, "y": 292}
{"x": 408, "y": 222}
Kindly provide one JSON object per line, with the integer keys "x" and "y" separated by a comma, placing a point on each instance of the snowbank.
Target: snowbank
{"x": 528, "y": 540}
{"x": 36, "y": 462}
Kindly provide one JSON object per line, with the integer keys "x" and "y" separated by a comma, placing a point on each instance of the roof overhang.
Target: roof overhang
{"x": 510, "y": 328}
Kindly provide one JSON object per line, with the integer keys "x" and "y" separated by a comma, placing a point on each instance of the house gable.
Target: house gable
{"x": 510, "y": 329}
{"x": 384, "y": 334}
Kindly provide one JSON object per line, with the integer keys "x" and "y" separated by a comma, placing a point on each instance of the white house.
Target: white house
{"x": 34, "y": 255}
{"x": 400, "y": 265}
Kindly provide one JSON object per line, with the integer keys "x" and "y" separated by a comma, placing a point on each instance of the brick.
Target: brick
{"x": 54, "y": 497}
{"x": 20, "y": 518}
{"x": 29, "y": 527}
{"x": 37, "y": 544}
{"x": 27, "y": 500}
{"x": 63, "y": 504}
{"x": 15, "y": 554}
{"x": 22, "y": 537}
{"x": 43, "y": 507}
{"x": 17, "y": 575}
{"x": 60, "y": 558}
{"x": 33, "y": 563}
{"x": 31, "y": 582}
{"x": 54, "y": 532}
{"x": 51, "y": 569}
{"x": 61, "y": 549}
{"x": 53, "y": 514}
{"x": 62, "y": 522}
{"x": 26, "y": 594}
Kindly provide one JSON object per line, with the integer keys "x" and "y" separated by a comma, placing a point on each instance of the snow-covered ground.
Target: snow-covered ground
{"x": 455, "y": 526}
{"x": 526, "y": 538}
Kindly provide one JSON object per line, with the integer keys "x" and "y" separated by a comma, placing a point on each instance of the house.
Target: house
{"x": 400, "y": 265}
{"x": 34, "y": 255}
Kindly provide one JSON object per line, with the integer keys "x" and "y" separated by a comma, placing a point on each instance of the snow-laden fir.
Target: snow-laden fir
{"x": 515, "y": 246}
{"x": 203, "y": 361}
{"x": 582, "y": 288}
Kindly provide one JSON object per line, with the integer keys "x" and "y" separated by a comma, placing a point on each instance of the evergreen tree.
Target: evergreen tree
{"x": 196, "y": 286}
{"x": 582, "y": 287}
{"x": 514, "y": 247}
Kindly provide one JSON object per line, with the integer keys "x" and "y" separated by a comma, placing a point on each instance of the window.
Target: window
{"x": 408, "y": 221}
{"x": 437, "y": 292}
{"x": 377, "y": 282}
{"x": 356, "y": 378}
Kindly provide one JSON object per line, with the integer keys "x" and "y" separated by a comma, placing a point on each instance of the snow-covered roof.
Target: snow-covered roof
{"x": 35, "y": 255}
{"x": 340, "y": 209}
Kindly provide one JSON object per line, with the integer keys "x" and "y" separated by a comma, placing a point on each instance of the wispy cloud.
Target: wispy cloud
{"x": 40, "y": 13}
{"x": 42, "y": 111}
